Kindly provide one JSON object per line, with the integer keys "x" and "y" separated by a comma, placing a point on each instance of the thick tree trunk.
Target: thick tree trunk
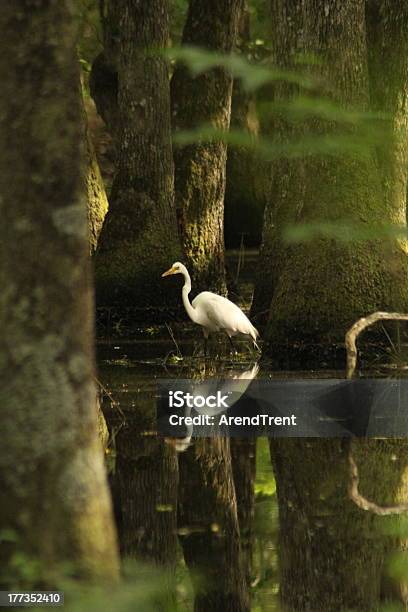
{"x": 387, "y": 23}
{"x": 208, "y": 527}
{"x": 200, "y": 167}
{"x": 283, "y": 204}
{"x": 284, "y": 197}
{"x": 332, "y": 553}
{"x": 139, "y": 238}
{"x": 324, "y": 285}
{"x": 283, "y": 183}
{"x": 54, "y": 490}
{"x": 246, "y": 180}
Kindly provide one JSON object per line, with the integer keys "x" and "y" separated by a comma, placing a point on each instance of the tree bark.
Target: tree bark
{"x": 332, "y": 553}
{"x": 96, "y": 194}
{"x": 139, "y": 237}
{"x": 103, "y": 80}
{"x": 387, "y": 41}
{"x": 208, "y": 527}
{"x": 283, "y": 183}
{"x": 322, "y": 286}
{"x": 200, "y": 167}
{"x": 246, "y": 177}
{"x": 54, "y": 490}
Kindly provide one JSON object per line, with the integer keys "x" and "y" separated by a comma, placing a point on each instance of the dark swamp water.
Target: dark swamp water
{"x": 221, "y": 551}
{"x": 204, "y": 510}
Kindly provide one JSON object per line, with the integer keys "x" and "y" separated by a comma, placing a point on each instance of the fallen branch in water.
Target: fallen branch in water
{"x": 359, "y": 326}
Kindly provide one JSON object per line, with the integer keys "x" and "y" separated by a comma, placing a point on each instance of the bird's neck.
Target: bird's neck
{"x": 185, "y": 291}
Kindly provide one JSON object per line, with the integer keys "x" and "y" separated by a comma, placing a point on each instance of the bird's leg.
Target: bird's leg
{"x": 233, "y": 350}
{"x": 205, "y": 345}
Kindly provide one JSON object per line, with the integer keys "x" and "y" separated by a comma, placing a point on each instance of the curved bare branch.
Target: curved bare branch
{"x": 359, "y": 326}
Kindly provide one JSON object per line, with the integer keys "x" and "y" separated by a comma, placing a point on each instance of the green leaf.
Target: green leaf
{"x": 253, "y": 76}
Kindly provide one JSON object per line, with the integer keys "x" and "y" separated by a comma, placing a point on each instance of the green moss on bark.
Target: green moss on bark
{"x": 54, "y": 490}
{"x": 96, "y": 195}
{"x": 200, "y": 169}
{"x": 247, "y": 179}
{"x": 139, "y": 239}
{"x": 331, "y": 552}
{"x": 317, "y": 289}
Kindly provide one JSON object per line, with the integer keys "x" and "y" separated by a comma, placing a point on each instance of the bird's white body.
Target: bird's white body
{"x": 216, "y": 313}
{"x": 213, "y": 312}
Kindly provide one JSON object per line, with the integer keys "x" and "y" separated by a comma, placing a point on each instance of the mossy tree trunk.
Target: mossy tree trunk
{"x": 387, "y": 24}
{"x": 332, "y": 554}
{"x": 54, "y": 490}
{"x": 209, "y": 529}
{"x": 283, "y": 177}
{"x": 246, "y": 179}
{"x": 322, "y": 286}
{"x": 139, "y": 237}
{"x": 200, "y": 168}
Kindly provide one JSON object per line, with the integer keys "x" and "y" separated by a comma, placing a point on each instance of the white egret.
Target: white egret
{"x": 213, "y": 312}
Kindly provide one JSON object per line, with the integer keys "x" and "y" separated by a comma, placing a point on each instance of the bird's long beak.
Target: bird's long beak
{"x": 170, "y": 271}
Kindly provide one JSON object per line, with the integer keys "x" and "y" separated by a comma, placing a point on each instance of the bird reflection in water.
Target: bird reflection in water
{"x": 207, "y": 387}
